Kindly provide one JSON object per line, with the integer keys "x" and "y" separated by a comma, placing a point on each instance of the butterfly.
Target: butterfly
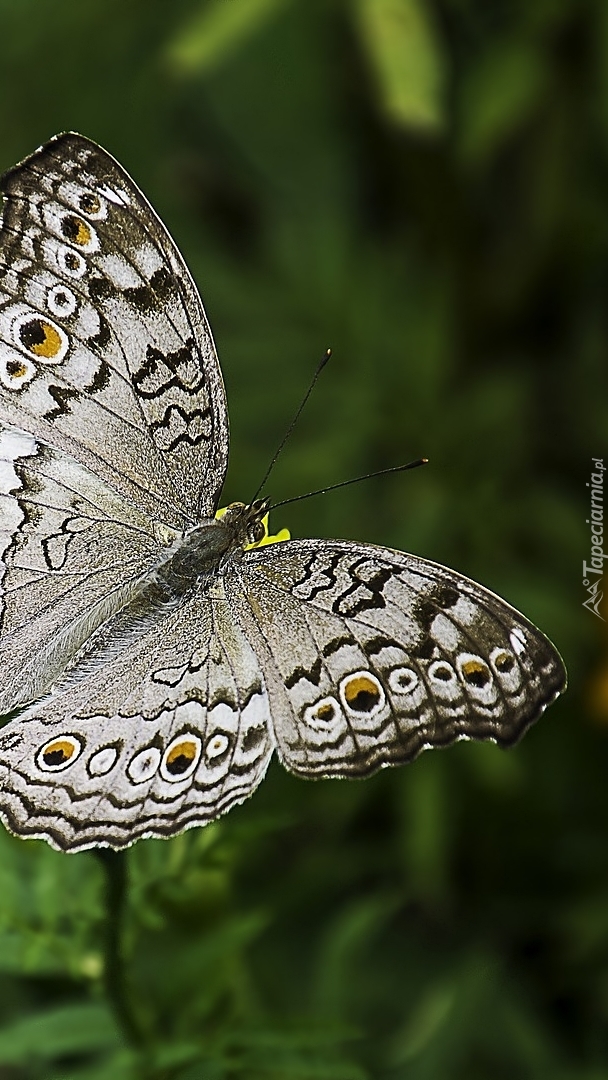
{"x": 159, "y": 655}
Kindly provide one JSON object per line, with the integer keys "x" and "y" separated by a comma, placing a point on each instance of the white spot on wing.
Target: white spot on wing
{"x": 61, "y": 301}
{"x": 101, "y": 762}
{"x": 518, "y": 640}
{"x": 402, "y": 680}
{"x": 120, "y": 272}
{"x": 217, "y": 745}
{"x": 144, "y": 765}
{"x": 118, "y": 197}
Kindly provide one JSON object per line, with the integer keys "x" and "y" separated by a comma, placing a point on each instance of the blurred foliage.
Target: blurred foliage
{"x": 424, "y": 186}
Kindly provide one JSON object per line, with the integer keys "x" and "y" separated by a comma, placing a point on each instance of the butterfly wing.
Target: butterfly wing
{"x": 105, "y": 351}
{"x": 372, "y": 655}
{"x": 113, "y": 429}
{"x": 71, "y": 551}
{"x": 166, "y": 732}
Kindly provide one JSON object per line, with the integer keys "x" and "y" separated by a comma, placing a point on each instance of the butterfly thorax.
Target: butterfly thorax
{"x": 211, "y": 546}
{"x": 206, "y": 551}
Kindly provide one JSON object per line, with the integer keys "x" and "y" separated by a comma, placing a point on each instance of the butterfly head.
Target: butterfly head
{"x": 247, "y": 520}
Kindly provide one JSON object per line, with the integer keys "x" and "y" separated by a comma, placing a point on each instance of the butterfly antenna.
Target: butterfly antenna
{"x": 355, "y": 480}
{"x": 321, "y": 365}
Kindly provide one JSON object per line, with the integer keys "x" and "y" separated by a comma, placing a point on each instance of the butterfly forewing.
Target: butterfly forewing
{"x": 72, "y": 549}
{"x": 106, "y": 351}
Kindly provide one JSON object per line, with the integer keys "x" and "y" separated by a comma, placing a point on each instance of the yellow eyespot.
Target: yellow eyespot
{"x": 324, "y": 716}
{"x": 504, "y": 662}
{"x": 362, "y": 693}
{"x": 76, "y": 230}
{"x": 442, "y": 671}
{"x": 181, "y": 757}
{"x": 40, "y": 338}
{"x": 58, "y": 753}
{"x": 89, "y": 203}
{"x": 475, "y": 672}
{"x": 16, "y": 369}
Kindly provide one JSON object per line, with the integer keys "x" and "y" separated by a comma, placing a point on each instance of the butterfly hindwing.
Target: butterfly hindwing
{"x": 167, "y": 731}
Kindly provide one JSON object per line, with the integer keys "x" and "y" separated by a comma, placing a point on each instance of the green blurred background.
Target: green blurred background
{"x": 424, "y": 187}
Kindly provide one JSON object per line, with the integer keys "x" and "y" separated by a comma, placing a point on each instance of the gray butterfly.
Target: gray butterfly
{"x": 158, "y": 658}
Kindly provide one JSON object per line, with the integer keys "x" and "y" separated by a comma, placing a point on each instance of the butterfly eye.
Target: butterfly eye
{"x": 362, "y": 693}
{"x": 59, "y": 753}
{"x": 41, "y": 338}
{"x": 257, "y": 532}
{"x": 475, "y": 671}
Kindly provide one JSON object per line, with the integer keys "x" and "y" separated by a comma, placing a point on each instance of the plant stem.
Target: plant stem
{"x": 114, "y": 865}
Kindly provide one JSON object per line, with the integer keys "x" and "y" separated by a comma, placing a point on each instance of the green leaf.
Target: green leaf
{"x": 499, "y": 95}
{"x": 405, "y": 51}
{"x": 216, "y": 30}
{"x": 353, "y": 932}
{"x": 425, "y": 1023}
{"x": 71, "y": 1029}
{"x": 122, "y": 1065}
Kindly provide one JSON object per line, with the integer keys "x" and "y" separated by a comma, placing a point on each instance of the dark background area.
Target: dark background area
{"x": 424, "y": 187}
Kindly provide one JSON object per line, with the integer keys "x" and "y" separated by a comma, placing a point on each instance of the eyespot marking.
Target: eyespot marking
{"x": 402, "y": 680}
{"x": 441, "y": 671}
{"x": 102, "y": 761}
{"x": 144, "y": 765}
{"x": 502, "y": 661}
{"x": 323, "y": 714}
{"x": 40, "y": 337}
{"x": 217, "y": 745}
{"x": 58, "y": 753}
{"x": 362, "y": 693}
{"x": 77, "y": 231}
{"x": 181, "y": 757}
{"x": 71, "y": 262}
{"x": 15, "y": 371}
{"x": 475, "y": 671}
{"x": 92, "y": 205}
{"x": 61, "y": 301}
